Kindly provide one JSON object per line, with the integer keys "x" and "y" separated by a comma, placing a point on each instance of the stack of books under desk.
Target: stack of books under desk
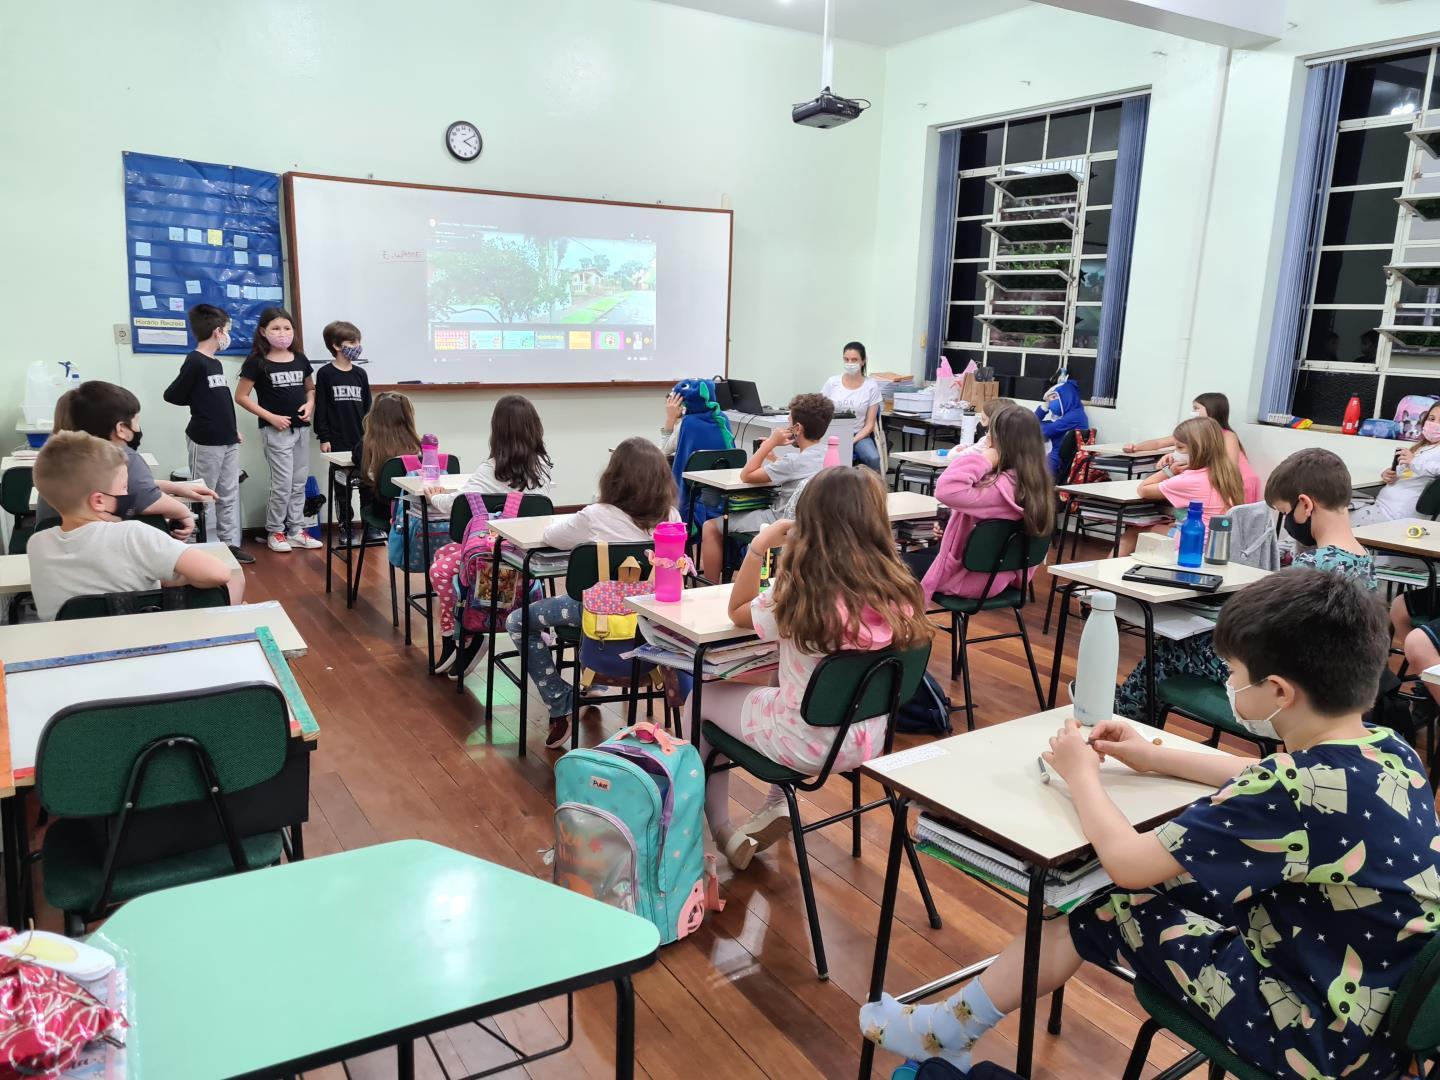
{"x": 721, "y": 662}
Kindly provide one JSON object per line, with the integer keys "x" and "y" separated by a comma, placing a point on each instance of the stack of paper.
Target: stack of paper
{"x": 721, "y": 662}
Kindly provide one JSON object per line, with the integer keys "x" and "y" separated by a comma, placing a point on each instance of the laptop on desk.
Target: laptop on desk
{"x": 745, "y": 398}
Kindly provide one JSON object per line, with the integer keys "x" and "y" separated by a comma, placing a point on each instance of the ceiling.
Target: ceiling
{"x": 874, "y": 22}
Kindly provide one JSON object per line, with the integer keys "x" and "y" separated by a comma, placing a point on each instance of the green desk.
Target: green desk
{"x": 284, "y": 970}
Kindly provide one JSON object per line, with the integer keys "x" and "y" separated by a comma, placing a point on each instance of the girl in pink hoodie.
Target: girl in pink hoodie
{"x": 1010, "y": 481}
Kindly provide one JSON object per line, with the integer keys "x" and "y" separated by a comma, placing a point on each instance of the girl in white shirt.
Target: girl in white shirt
{"x": 1415, "y": 467}
{"x": 518, "y": 462}
{"x": 855, "y": 392}
{"x": 637, "y": 492}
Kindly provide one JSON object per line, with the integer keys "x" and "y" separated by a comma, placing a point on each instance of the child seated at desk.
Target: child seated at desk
{"x": 1284, "y": 909}
{"x": 92, "y": 551}
{"x": 1200, "y": 471}
{"x": 693, "y": 422}
{"x": 1415, "y": 467}
{"x": 636, "y": 494}
{"x": 810, "y": 416}
{"x": 388, "y": 431}
{"x": 840, "y": 586}
{"x": 988, "y": 411}
{"x": 1217, "y": 408}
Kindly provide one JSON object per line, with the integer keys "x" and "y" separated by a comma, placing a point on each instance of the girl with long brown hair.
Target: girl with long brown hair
{"x": 840, "y": 587}
{"x": 1009, "y": 481}
{"x": 1202, "y": 471}
{"x": 1217, "y": 407}
{"x": 388, "y": 432}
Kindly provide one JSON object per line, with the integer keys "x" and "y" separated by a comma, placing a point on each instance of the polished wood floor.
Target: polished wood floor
{"x": 402, "y": 755}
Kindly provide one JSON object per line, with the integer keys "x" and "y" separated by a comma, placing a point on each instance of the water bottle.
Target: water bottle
{"x": 1217, "y": 549}
{"x": 832, "y": 452}
{"x": 1094, "y": 690}
{"x": 1192, "y": 538}
{"x": 429, "y": 459}
{"x": 1350, "y": 424}
{"x": 669, "y": 537}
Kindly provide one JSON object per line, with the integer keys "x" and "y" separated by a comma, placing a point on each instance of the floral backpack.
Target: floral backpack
{"x": 1083, "y": 469}
{"x": 473, "y": 579}
{"x": 609, "y": 626}
{"x": 406, "y": 519}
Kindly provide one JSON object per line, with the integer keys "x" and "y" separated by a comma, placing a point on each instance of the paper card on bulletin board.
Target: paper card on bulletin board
{"x": 189, "y": 220}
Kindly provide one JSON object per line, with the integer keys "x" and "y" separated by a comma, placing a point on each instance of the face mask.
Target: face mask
{"x": 1198, "y": 414}
{"x": 854, "y": 369}
{"x": 280, "y": 339}
{"x": 1300, "y": 531}
{"x": 135, "y": 440}
{"x": 1180, "y": 457}
{"x": 350, "y": 352}
{"x": 1262, "y": 728}
{"x": 1431, "y": 430}
{"x": 224, "y": 342}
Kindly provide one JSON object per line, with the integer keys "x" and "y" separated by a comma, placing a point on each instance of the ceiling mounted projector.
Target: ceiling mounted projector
{"x": 829, "y": 109}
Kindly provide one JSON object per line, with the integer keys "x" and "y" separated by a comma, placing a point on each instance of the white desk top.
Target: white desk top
{"x": 1390, "y": 536}
{"x": 1111, "y": 491}
{"x": 929, "y": 458}
{"x": 1106, "y": 574}
{"x": 15, "y": 569}
{"x": 702, "y": 616}
{"x": 1118, "y": 450}
{"x": 46, "y": 640}
{"x": 414, "y": 486}
{"x": 12, "y": 461}
{"x": 989, "y": 782}
{"x": 525, "y": 533}
{"x": 911, "y": 506}
{"x": 339, "y": 458}
{"x": 723, "y": 480}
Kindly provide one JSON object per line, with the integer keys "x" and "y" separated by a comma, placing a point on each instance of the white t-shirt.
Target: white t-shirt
{"x": 484, "y": 482}
{"x": 859, "y": 401}
{"x": 100, "y": 557}
{"x": 598, "y": 521}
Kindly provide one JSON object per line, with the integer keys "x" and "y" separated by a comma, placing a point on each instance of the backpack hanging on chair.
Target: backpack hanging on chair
{"x": 404, "y": 520}
{"x": 1082, "y": 466}
{"x": 473, "y": 582}
{"x": 609, "y": 626}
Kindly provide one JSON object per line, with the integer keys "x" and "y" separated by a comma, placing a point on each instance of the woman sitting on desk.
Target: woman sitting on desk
{"x": 855, "y": 392}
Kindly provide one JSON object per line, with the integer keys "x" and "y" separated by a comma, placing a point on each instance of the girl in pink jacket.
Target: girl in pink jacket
{"x": 1010, "y": 481}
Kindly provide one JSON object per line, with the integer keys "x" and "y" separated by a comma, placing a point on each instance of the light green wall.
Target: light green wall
{"x": 624, "y": 99}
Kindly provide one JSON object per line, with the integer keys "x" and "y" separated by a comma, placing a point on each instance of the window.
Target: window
{"x": 1030, "y": 247}
{"x": 1373, "y": 265}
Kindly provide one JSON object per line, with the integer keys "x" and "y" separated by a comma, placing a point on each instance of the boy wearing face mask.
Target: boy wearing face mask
{"x": 342, "y": 391}
{"x": 1281, "y": 912}
{"x": 211, "y": 437}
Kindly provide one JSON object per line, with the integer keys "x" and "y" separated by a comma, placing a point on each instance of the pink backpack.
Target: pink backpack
{"x": 473, "y": 578}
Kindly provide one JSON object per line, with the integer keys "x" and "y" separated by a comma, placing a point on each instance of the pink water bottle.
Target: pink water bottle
{"x": 669, "y": 537}
{"x": 832, "y": 452}
{"x": 429, "y": 458}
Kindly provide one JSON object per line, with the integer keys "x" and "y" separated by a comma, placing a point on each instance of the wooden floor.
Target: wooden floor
{"x": 402, "y": 755}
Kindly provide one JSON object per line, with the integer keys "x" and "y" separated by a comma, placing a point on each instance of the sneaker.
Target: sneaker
{"x": 241, "y": 555}
{"x": 769, "y": 824}
{"x": 467, "y": 655}
{"x": 739, "y": 849}
{"x": 278, "y": 542}
{"x": 301, "y": 539}
{"x": 374, "y": 535}
{"x": 481, "y": 643}
{"x": 559, "y": 732}
{"x": 447, "y": 655}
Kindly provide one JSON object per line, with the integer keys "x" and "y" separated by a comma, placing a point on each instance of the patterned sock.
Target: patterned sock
{"x": 947, "y": 1029}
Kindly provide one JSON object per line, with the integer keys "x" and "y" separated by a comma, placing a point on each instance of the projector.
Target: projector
{"x": 827, "y": 111}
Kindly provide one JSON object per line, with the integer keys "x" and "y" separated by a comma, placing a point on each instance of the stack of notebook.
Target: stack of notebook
{"x": 721, "y": 661}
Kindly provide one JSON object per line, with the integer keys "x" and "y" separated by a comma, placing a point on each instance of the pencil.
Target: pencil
{"x": 1044, "y": 772}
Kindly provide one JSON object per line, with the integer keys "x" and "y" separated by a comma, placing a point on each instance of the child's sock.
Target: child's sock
{"x": 946, "y": 1029}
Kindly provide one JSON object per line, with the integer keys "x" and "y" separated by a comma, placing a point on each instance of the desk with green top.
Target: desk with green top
{"x": 283, "y": 970}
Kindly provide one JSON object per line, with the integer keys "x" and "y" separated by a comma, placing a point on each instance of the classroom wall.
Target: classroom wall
{"x": 624, "y": 99}
{"x": 1205, "y": 256}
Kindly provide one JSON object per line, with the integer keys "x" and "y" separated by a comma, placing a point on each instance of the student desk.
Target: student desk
{"x": 933, "y": 462}
{"x": 1107, "y": 574}
{"x": 927, "y": 428}
{"x": 1112, "y": 496}
{"x": 412, "y": 491}
{"x": 1114, "y": 456}
{"x": 987, "y": 782}
{"x": 15, "y": 569}
{"x": 728, "y": 483}
{"x": 374, "y": 947}
{"x": 340, "y": 484}
{"x": 1389, "y": 536}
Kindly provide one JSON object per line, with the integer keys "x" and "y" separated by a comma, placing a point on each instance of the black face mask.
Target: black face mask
{"x": 1300, "y": 531}
{"x": 135, "y": 440}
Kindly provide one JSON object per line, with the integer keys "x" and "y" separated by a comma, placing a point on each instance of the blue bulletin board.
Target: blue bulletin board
{"x": 199, "y": 233}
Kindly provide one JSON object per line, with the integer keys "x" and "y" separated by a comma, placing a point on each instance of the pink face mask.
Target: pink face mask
{"x": 1431, "y": 430}
{"x": 280, "y": 339}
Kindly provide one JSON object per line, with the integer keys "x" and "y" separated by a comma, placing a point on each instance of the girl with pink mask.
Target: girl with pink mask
{"x": 279, "y": 377}
{"x": 1413, "y": 469}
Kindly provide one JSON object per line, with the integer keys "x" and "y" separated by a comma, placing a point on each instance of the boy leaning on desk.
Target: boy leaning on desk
{"x": 1286, "y": 907}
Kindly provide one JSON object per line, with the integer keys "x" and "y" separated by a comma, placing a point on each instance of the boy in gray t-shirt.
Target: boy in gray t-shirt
{"x": 810, "y": 416}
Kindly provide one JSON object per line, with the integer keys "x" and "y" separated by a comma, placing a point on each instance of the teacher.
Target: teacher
{"x": 855, "y": 392}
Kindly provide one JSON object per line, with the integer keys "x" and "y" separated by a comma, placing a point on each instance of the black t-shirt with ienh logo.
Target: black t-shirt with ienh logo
{"x": 279, "y": 388}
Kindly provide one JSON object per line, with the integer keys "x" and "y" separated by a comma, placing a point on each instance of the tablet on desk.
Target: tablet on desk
{"x": 1180, "y": 579}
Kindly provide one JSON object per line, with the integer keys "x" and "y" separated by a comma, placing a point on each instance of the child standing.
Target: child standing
{"x": 518, "y": 462}
{"x": 342, "y": 391}
{"x": 636, "y": 494}
{"x": 211, "y": 437}
{"x": 280, "y": 379}
{"x": 1281, "y": 913}
{"x": 841, "y": 586}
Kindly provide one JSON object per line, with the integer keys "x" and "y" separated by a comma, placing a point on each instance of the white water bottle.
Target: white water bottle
{"x": 1099, "y": 660}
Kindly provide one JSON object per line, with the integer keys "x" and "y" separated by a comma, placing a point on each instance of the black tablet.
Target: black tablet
{"x": 1180, "y": 579}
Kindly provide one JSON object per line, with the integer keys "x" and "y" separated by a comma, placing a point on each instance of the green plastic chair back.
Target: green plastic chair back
{"x": 1428, "y": 505}
{"x": 701, "y": 460}
{"x": 98, "y": 606}
{"x": 850, "y": 686}
{"x": 87, "y": 752}
{"x": 393, "y": 469}
{"x": 530, "y": 506}
{"x": 1182, "y": 1020}
{"x": 1415, "y": 1011}
{"x": 584, "y": 568}
{"x": 1000, "y": 547}
{"x": 15, "y": 485}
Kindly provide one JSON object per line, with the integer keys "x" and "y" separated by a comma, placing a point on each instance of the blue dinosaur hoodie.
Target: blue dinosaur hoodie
{"x": 1061, "y": 413}
{"x": 703, "y": 427}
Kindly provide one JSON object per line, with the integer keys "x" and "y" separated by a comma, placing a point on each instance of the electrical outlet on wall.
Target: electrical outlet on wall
{"x": 122, "y": 333}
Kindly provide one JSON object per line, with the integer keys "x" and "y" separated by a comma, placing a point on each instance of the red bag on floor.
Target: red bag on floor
{"x": 46, "y": 1019}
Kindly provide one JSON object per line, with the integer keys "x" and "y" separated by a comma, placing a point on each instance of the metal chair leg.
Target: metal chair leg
{"x": 924, "y": 886}
{"x": 955, "y": 646}
{"x": 1141, "y": 1049}
{"x": 961, "y": 634}
{"x": 394, "y": 604}
{"x": 1030, "y": 657}
{"x": 1057, "y": 1010}
{"x": 855, "y": 818}
{"x": 807, "y": 887}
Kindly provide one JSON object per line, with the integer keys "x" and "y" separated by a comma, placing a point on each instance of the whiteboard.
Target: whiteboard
{"x": 32, "y": 698}
{"x": 455, "y": 285}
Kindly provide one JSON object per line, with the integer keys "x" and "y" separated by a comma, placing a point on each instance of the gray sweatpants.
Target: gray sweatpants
{"x": 288, "y": 455}
{"x": 219, "y": 468}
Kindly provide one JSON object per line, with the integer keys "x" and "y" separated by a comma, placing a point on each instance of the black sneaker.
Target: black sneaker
{"x": 559, "y": 732}
{"x": 242, "y": 556}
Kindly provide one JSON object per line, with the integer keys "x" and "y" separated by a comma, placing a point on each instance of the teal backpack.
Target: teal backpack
{"x": 629, "y": 829}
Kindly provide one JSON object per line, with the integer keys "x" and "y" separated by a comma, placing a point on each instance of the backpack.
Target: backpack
{"x": 608, "y": 626}
{"x": 927, "y": 712}
{"x": 1410, "y": 412}
{"x": 629, "y": 829}
{"x": 1082, "y": 466}
{"x": 473, "y": 579}
{"x": 405, "y": 521}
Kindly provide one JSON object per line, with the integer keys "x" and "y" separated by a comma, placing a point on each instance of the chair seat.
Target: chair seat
{"x": 1200, "y": 699}
{"x": 750, "y": 759}
{"x": 374, "y": 520}
{"x": 1181, "y": 1020}
{"x": 73, "y": 862}
{"x": 968, "y": 605}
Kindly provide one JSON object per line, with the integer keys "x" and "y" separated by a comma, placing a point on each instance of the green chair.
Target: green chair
{"x": 701, "y": 461}
{"x": 994, "y": 548}
{"x": 185, "y": 597}
{"x": 391, "y": 471}
{"x": 99, "y": 763}
{"x": 1204, "y": 701}
{"x": 15, "y": 488}
{"x": 846, "y": 688}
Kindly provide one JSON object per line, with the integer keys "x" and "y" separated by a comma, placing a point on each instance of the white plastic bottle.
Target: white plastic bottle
{"x": 1099, "y": 660}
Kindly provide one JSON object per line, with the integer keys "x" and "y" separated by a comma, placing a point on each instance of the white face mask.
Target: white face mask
{"x": 1180, "y": 457}
{"x": 1199, "y": 414}
{"x": 852, "y": 369}
{"x": 1262, "y": 728}
{"x": 224, "y": 342}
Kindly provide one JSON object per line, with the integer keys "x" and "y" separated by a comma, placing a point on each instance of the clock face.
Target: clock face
{"x": 462, "y": 139}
